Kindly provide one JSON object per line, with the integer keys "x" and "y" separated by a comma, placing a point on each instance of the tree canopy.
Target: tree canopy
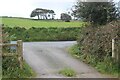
{"x": 96, "y": 12}
{"x": 43, "y": 13}
{"x": 65, "y": 17}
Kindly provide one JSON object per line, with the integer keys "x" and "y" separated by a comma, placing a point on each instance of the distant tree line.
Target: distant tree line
{"x": 65, "y": 17}
{"x": 43, "y": 13}
{"x": 49, "y": 14}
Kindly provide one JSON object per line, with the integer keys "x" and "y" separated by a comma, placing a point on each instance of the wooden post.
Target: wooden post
{"x": 20, "y": 52}
{"x": 115, "y": 53}
{"x": 113, "y": 48}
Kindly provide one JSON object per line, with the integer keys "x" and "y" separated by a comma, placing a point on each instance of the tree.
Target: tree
{"x": 34, "y": 13}
{"x": 52, "y": 13}
{"x": 65, "y": 17}
{"x": 42, "y": 13}
{"x": 96, "y": 12}
{"x": 119, "y": 9}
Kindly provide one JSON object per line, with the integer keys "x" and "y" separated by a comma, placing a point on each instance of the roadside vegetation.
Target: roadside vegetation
{"x": 68, "y": 72}
{"x": 11, "y": 69}
{"x": 95, "y": 41}
{"x": 0, "y": 68}
{"x": 106, "y": 66}
{"x": 11, "y": 66}
{"x": 94, "y": 48}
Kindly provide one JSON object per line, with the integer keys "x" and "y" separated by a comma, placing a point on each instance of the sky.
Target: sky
{"x": 23, "y": 8}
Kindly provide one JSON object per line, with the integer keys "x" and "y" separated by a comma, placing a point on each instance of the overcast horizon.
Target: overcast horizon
{"x": 23, "y": 8}
{"x": 16, "y": 8}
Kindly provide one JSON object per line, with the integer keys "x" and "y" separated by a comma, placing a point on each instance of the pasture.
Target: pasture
{"x": 28, "y": 23}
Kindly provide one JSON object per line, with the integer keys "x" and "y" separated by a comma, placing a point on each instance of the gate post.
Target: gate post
{"x": 113, "y": 48}
{"x": 20, "y": 52}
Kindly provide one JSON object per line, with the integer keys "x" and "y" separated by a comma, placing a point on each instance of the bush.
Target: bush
{"x": 106, "y": 66}
{"x": 97, "y": 40}
{"x": 95, "y": 46}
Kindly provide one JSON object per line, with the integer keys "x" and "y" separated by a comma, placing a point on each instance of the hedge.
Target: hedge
{"x": 97, "y": 40}
{"x": 43, "y": 34}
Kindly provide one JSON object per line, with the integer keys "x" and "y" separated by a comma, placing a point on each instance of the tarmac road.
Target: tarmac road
{"x": 48, "y": 58}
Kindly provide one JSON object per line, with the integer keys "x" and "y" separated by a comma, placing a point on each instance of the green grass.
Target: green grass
{"x": 107, "y": 66}
{"x": 27, "y": 23}
{"x": 67, "y": 72}
{"x": 0, "y": 68}
{"x": 11, "y": 69}
{"x": 0, "y": 71}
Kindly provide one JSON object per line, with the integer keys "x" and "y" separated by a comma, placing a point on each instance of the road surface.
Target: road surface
{"x": 48, "y": 58}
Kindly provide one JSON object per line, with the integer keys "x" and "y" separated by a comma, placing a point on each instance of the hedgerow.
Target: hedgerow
{"x": 43, "y": 34}
{"x": 95, "y": 47}
{"x": 98, "y": 40}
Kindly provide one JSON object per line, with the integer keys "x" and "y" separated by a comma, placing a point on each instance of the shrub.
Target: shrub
{"x": 43, "y": 34}
{"x": 108, "y": 65}
{"x": 97, "y": 40}
{"x": 96, "y": 46}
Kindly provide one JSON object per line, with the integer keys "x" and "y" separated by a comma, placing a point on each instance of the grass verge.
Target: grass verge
{"x": 67, "y": 72}
{"x": 11, "y": 69}
{"x": 108, "y": 66}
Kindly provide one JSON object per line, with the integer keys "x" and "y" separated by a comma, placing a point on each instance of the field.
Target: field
{"x": 42, "y": 30}
{"x": 28, "y": 23}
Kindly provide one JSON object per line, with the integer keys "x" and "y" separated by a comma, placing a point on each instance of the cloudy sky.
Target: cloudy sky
{"x": 23, "y": 8}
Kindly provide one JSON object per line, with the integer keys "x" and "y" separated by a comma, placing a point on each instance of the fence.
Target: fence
{"x": 19, "y": 51}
